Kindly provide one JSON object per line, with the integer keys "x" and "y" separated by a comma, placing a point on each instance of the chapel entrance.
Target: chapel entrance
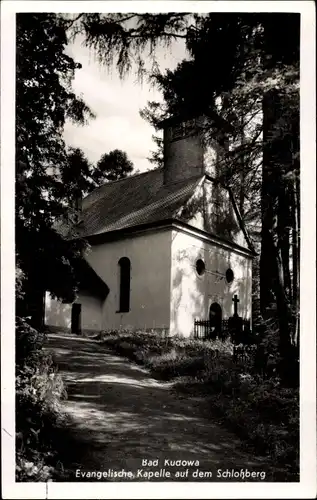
{"x": 215, "y": 320}
{"x": 76, "y": 319}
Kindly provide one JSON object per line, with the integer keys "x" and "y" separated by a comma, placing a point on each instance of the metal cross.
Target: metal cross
{"x": 235, "y": 301}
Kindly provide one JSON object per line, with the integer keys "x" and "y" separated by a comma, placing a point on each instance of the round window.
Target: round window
{"x": 200, "y": 267}
{"x": 229, "y": 276}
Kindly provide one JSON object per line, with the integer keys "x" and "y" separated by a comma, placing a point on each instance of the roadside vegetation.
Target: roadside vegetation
{"x": 244, "y": 392}
{"x": 39, "y": 417}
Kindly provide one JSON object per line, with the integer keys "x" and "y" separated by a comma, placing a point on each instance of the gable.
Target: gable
{"x": 212, "y": 209}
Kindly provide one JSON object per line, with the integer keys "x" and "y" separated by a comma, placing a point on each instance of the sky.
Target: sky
{"x": 116, "y": 104}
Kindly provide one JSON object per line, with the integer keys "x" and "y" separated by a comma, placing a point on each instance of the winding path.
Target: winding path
{"x": 120, "y": 415}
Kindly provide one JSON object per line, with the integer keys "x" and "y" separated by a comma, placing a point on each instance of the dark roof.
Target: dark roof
{"x": 90, "y": 280}
{"x": 133, "y": 201}
{"x": 143, "y": 200}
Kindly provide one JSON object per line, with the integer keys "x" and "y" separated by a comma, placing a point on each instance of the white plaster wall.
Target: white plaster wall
{"x": 192, "y": 294}
{"x": 91, "y": 311}
{"x": 221, "y": 221}
{"x": 211, "y": 158}
{"x": 59, "y": 315}
{"x": 150, "y": 257}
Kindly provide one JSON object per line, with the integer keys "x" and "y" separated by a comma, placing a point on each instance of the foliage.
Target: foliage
{"x": 121, "y": 39}
{"x": 235, "y": 96}
{"x": 29, "y": 344}
{"x": 19, "y": 278}
{"x": 112, "y": 166}
{"x": 39, "y": 389}
{"x": 80, "y": 177}
{"x": 237, "y": 392}
{"x": 44, "y": 100}
{"x": 77, "y": 174}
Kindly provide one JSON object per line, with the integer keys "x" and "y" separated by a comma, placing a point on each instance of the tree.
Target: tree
{"x": 112, "y": 167}
{"x": 280, "y": 184}
{"x": 153, "y": 113}
{"x": 44, "y": 99}
{"x": 190, "y": 90}
{"x": 258, "y": 59}
{"x": 157, "y": 156}
{"x": 78, "y": 174}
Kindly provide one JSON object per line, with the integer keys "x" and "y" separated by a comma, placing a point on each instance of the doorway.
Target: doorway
{"x": 215, "y": 320}
{"x": 76, "y": 319}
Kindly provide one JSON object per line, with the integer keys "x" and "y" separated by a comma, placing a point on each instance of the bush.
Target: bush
{"x": 270, "y": 410}
{"x": 175, "y": 364}
{"x": 39, "y": 389}
{"x": 28, "y": 343}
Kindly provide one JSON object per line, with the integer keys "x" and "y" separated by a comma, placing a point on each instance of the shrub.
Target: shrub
{"x": 175, "y": 364}
{"x": 28, "y": 343}
{"x": 39, "y": 389}
{"x": 271, "y": 410}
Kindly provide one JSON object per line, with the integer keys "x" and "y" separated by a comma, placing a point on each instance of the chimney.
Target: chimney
{"x": 189, "y": 149}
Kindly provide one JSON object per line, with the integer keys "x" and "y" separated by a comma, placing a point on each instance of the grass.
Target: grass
{"x": 260, "y": 410}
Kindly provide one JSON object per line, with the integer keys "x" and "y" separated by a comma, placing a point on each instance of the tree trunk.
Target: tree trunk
{"x": 296, "y": 227}
{"x": 243, "y": 170}
{"x": 274, "y": 215}
{"x": 284, "y": 221}
{"x": 268, "y": 202}
{"x": 295, "y": 261}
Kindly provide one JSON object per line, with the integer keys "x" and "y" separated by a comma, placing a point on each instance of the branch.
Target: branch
{"x": 127, "y": 18}
{"x": 135, "y": 35}
{"x": 70, "y": 23}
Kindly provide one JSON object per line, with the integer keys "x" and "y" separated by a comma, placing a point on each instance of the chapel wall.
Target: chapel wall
{"x": 211, "y": 209}
{"x": 192, "y": 294}
{"x": 58, "y": 316}
{"x": 150, "y": 257}
{"x": 91, "y": 311}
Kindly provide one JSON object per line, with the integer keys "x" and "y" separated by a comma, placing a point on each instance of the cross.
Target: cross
{"x": 235, "y": 301}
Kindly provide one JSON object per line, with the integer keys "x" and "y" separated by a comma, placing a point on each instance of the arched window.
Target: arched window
{"x": 125, "y": 276}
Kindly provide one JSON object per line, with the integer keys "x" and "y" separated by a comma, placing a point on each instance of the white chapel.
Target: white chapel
{"x": 166, "y": 247}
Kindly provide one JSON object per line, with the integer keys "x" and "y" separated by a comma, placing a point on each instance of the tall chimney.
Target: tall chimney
{"x": 187, "y": 151}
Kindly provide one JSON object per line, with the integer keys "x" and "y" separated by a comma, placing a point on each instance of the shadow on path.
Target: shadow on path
{"x": 121, "y": 415}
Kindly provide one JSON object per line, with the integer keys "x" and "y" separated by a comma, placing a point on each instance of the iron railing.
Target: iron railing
{"x": 205, "y": 330}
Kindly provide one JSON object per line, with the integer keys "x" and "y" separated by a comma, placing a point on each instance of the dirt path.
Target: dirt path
{"x": 121, "y": 416}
